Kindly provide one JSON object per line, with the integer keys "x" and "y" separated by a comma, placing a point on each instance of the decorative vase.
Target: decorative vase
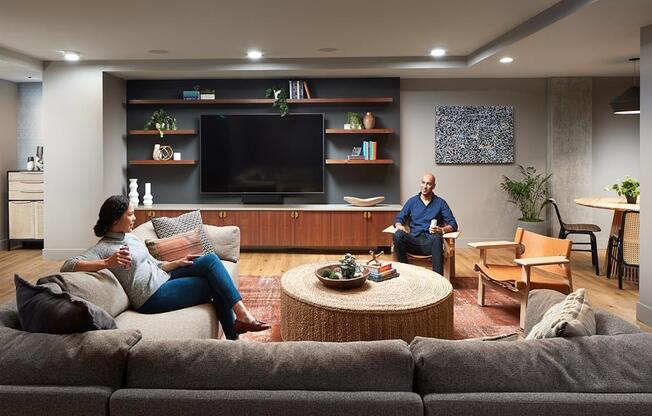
{"x": 631, "y": 199}
{"x": 369, "y": 120}
{"x": 156, "y": 154}
{"x": 133, "y": 192}
{"x": 148, "y": 200}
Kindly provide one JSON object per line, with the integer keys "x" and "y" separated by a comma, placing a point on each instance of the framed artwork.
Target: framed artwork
{"x": 474, "y": 134}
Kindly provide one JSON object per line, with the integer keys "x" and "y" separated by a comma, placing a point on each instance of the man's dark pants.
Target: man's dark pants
{"x": 424, "y": 244}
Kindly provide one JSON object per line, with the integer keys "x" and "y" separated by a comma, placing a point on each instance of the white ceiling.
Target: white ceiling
{"x": 595, "y": 40}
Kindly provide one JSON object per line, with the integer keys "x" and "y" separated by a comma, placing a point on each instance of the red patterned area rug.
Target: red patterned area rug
{"x": 262, "y": 295}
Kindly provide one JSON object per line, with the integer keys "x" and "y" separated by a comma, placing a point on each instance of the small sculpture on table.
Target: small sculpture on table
{"x": 374, "y": 258}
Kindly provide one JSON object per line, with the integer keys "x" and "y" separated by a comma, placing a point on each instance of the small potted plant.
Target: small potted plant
{"x": 280, "y": 97}
{"x": 629, "y": 187}
{"x": 529, "y": 194}
{"x": 354, "y": 120}
{"x": 162, "y": 121}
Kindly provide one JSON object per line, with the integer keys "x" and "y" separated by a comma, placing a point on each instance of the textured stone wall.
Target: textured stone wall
{"x": 29, "y": 132}
{"x": 570, "y": 146}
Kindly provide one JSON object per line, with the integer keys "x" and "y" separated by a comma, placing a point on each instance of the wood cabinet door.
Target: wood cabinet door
{"x": 376, "y": 222}
{"x": 141, "y": 217}
{"x": 21, "y": 219}
{"x": 276, "y": 228}
{"x": 348, "y": 229}
{"x": 38, "y": 220}
{"x": 212, "y": 218}
{"x": 249, "y": 225}
{"x": 312, "y": 229}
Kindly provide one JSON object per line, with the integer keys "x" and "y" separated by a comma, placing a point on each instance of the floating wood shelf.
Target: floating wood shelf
{"x": 153, "y": 132}
{"x": 359, "y": 162}
{"x": 162, "y": 162}
{"x": 219, "y": 101}
{"x": 361, "y": 131}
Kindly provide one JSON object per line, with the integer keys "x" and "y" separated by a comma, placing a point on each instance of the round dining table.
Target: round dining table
{"x": 617, "y": 205}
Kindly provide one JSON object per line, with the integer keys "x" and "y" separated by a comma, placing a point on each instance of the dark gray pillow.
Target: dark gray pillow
{"x": 9, "y": 315}
{"x": 40, "y": 309}
{"x": 167, "y": 227}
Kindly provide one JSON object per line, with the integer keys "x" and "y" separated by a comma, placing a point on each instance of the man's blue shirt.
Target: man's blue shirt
{"x": 421, "y": 214}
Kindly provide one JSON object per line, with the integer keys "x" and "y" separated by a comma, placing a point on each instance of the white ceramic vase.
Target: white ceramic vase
{"x": 133, "y": 192}
{"x": 156, "y": 154}
{"x": 148, "y": 199}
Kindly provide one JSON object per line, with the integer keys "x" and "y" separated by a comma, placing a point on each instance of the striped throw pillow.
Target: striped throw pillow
{"x": 175, "y": 247}
{"x": 572, "y": 317}
{"x": 167, "y": 227}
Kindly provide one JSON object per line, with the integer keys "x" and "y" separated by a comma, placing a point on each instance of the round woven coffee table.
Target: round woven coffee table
{"x": 417, "y": 303}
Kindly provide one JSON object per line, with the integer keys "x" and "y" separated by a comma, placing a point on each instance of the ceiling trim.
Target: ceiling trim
{"x": 17, "y": 58}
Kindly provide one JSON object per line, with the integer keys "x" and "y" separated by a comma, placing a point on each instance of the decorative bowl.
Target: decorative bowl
{"x": 341, "y": 283}
{"x": 364, "y": 202}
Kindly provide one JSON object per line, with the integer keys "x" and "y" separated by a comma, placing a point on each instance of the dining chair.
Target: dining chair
{"x": 585, "y": 229}
{"x": 625, "y": 248}
{"x": 541, "y": 262}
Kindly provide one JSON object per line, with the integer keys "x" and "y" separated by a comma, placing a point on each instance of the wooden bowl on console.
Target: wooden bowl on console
{"x": 364, "y": 202}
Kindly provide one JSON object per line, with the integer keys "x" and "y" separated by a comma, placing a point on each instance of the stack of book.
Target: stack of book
{"x": 370, "y": 150}
{"x": 381, "y": 273}
{"x": 191, "y": 95}
{"x": 299, "y": 89}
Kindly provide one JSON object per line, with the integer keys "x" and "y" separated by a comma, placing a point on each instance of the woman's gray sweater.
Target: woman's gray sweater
{"x": 139, "y": 281}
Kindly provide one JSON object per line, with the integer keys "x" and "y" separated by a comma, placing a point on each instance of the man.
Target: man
{"x": 423, "y": 238}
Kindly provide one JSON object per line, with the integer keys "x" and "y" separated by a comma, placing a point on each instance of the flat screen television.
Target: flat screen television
{"x": 262, "y": 154}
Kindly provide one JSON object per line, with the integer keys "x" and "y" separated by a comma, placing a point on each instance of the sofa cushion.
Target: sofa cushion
{"x": 320, "y": 366}
{"x": 54, "y": 400}
{"x": 609, "y": 324}
{"x": 9, "y": 315}
{"x": 175, "y": 247}
{"x": 42, "y": 309}
{"x": 572, "y": 317}
{"x": 597, "y": 364}
{"x": 168, "y": 227}
{"x": 100, "y": 288}
{"x": 194, "y": 322}
{"x": 94, "y": 358}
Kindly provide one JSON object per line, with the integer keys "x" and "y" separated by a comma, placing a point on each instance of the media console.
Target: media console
{"x": 292, "y": 226}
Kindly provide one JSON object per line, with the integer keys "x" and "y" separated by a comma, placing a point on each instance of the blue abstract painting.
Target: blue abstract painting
{"x": 474, "y": 134}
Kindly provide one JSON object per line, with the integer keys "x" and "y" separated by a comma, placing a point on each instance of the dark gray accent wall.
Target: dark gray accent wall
{"x": 180, "y": 184}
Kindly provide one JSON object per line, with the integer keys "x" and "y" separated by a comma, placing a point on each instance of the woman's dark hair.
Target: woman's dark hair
{"x": 111, "y": 211}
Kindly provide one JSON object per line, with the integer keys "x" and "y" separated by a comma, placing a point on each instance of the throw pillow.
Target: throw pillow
{"x": 572, "y": 317}
{"x": 176, "y": 247}
{"x": 167, "y": 227}
{"x": 43, "y": 308}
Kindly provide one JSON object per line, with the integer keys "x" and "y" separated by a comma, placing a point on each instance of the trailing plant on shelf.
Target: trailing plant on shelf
{"x": 354, "y": 120}
{"x": 161, "y": 120}
{"x": 629, "y": 188}
{"x": 280, "y": 97}
{"x": 528, "y": 194}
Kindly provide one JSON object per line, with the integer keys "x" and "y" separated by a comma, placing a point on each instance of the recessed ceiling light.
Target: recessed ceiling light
{"x": 327, "y": 49}
{"x": 158, "y": 51}
{"x": 437, "y": 52}
{"x": 506, "y": 60}
{"x": 71, "y": 56}
{"x": 254, "y": 54}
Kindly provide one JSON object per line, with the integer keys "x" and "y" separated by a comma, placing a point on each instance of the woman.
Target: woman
{"x": 160, "y": 286}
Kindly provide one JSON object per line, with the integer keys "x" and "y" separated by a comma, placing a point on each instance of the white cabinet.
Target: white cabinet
{"x": 25, "y": 205}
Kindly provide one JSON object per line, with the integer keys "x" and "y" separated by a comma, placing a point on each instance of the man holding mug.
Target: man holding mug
{"x": 430, "y": 218}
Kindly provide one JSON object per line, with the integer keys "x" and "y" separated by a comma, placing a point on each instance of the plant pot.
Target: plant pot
{"x": 369, "y": 121}
{"x": 540, "y": 227}
{"x": 631, "y": 199}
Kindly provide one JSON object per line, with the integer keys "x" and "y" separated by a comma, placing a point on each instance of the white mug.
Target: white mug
{"x": 433, "y": 223}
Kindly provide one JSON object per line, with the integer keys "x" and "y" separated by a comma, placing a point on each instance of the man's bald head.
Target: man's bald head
{"x": 428, "y": 183}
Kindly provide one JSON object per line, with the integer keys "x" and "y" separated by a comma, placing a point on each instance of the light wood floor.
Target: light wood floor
{"x": 603, "y": 292}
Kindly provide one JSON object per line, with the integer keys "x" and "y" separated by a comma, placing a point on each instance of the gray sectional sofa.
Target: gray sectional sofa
{"x": 123, "y": 373}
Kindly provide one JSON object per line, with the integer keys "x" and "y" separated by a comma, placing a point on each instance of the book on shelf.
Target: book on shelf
{"x": 355, "y": 157}
{"x": 383, "y": 273}
{"x": 384, "y": 278}
{"x": 370, "y": 150}
{"x": 305, "y": 87}
{"x": 191, "y": 95}
{"x": 299, "y": 89}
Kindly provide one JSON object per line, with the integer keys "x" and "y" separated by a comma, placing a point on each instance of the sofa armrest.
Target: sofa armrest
{"x": 226, "y": 241}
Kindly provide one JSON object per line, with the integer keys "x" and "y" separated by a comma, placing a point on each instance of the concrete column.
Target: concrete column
{"x": 644, "y": 306}
{"x": 8, "y": 116}
{"x": 570, "y": 146}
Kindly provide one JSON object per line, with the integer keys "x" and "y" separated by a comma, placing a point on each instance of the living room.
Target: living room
{"x": 549, "y": 72}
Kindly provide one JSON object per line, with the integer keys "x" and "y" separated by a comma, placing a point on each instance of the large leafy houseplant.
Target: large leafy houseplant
{"x": 280, "y": 96}
{"x": 629, "y": 188}
{"x": 528, "y": 194}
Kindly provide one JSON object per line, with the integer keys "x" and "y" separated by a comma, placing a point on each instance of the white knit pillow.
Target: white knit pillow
{"x": 572, "y": 317}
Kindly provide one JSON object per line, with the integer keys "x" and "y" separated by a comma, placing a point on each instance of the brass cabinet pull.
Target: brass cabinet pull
{"x": 369, "y": 215}
{"x": 150, "y": 214}
{"x": 296, "y": 214}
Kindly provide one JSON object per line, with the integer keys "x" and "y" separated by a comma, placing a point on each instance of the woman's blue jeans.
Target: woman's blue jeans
{"x": 206, "y": 280}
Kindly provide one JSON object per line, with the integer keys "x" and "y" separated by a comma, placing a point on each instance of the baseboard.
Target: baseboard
{"x": 4, "y": 244}
{"x": 61, "y": 253}
{"x": 644, "y": 313}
